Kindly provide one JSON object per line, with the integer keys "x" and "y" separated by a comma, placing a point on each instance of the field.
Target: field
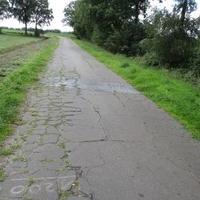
{"x": 15, "y": 49}
{"x": 11, "y": 39}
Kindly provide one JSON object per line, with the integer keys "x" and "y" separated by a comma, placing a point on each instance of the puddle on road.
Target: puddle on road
{"x": 89, "y": 85}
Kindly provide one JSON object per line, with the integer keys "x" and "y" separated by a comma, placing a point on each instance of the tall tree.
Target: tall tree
{"x": 4, "y": 9}
{"x": 42, "y": 14}
{"x": 139, "y": 6}
{"x": 184, "y": 7}
{"x": 168, "y": 44}
{"x": 69, "y": 14}
{"x": 22, "y": 10}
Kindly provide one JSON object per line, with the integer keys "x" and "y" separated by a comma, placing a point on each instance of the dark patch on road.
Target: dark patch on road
{"x": 90, "y": 85}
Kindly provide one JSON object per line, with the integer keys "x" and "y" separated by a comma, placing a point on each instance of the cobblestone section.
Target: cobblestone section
{"x": 90, "y": 136}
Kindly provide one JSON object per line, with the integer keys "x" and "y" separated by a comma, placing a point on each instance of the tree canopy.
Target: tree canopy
{"x": 4, "y": 9}
{"x": 28, "y": 11}
{"x": 161, "y": 37}
{"x": 42, "y": 15}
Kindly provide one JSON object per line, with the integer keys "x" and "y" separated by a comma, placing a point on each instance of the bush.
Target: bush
{"x": 195, "y": 66}
{"x": 126, "y": 39}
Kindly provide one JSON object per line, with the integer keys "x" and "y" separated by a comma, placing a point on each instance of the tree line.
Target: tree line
{"x": 131, "y": 27}
{"x": 27, "y": 11}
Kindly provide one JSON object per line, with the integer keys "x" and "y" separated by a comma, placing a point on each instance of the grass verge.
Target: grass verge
{"x": 14, "y": 87}
{"x": 180, "y": 99}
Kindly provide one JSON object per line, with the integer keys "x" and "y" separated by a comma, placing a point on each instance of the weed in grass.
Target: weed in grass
{"x": 20, "y": 122}
{"x": 21, "y": 158}
{"x": 48, "y": 161}
{"x": 63, "y": 194}
{"x": 23, "y": 137}
{"x": 124, "y": 64}
{"x": 62, "y": 145}
{"x": 6, "y": 152}
{"x": 31, "y": 181}
{"x": 25, "y": 171}
{"x": 34, "y": 114}
{"x": 68, "y": 164}
{"x": 2, "y": 175}
{"x": 63, "y": 87}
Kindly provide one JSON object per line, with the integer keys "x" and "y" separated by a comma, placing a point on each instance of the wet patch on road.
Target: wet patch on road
{"x": 89, "y": 85}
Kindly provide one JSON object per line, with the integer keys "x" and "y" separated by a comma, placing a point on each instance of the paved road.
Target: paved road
{"x": 91, "y": 134}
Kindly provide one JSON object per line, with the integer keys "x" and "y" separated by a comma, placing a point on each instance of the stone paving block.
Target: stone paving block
{"x": 50, "y": 151}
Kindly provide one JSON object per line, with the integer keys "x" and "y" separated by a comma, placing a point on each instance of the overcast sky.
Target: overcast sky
{"x": 58, "y": 7}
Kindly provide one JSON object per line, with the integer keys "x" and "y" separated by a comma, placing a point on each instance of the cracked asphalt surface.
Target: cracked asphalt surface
{"x": 91, "y": 136}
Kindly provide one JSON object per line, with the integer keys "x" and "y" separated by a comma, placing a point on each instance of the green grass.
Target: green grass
{"x": 178, "y": 98}
{"x": 11, "y": 41}
{"x": 13, "y": 88}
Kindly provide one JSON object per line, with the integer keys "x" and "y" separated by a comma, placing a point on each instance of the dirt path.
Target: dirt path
{"x": 90, "y": 135}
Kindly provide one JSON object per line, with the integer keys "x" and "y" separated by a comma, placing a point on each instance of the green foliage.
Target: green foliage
{"x": 195, "y": 66}
{"x": 126, "y": 39}
{"x": 124, "y": 64}
{"x": 83, "y": 25}
{"x": 184, "y": 7}
{"x": 4, "y": 9}
{"x": 69, "y": 14}
{"x": 167, "y": 42}
{"x": 113, "y": 24}
{"x": 31, "y": 11}
{"x": 42, "y": 15}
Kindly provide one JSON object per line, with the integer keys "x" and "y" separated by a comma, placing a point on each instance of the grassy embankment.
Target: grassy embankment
{"x": 13, "y": 87}
{"x": 179, "y": 98}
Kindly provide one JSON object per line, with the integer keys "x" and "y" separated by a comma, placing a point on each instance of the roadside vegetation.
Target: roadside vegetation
{"x": 155, "y": 49}
{"x": 18, "y": 70}
{"x": 37, "y": 12}
{"x": 178, "y": 97}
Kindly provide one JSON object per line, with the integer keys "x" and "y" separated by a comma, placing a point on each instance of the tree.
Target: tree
{"x": 184, "y": 7}
{"x": 167, "y": 44}
{"x": 117, "y": 26}
{"x": 4, "y": 10}
{"x": 69, "y": 14}
{"x": 83, "y": 22}
{"x": 22, "y": 10}
{"x": 42, "y": 15}
{"x": 27, "y": 11}
{"x": 139, "y": 6}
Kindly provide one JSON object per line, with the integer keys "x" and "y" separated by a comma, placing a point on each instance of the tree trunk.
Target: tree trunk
{"x": 183, "y": 12}
{"x": 26, "y": 32}
{"x": 137, "y": 12}
{"x": 36, "y": 30}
